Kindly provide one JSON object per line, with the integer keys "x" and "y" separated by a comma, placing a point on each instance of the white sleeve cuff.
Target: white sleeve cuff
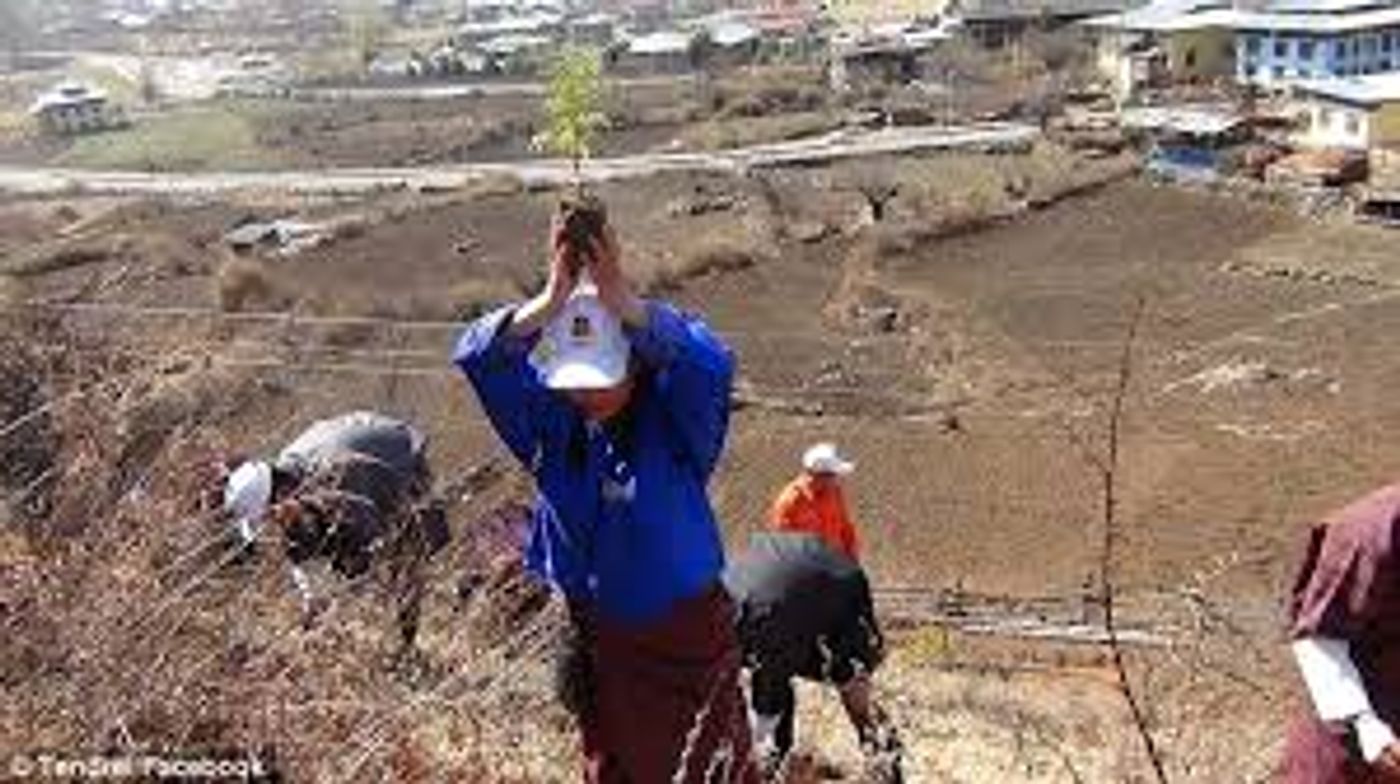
{"x": 1333, "y": 681}
{"x": 1372, "y": 735}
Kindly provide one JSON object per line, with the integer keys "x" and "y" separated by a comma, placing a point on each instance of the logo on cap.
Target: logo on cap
{"x": 581, "y": 330}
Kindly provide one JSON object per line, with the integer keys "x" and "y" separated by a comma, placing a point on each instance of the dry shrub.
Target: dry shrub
{"x": 894, "y": 239}
{"x": 494, "y": 185}
{"x": 506, "y": 599}
{"x": 350, "y": 229}
{"x": 67, "y": 215}
{"x": 770, "y": 91}
{"x": 172, "y": 255}
{"x": 680, "y": 113}
{"x": 28, "y": 453}
{"x": 713, "y": 256}
{"x": 462, "y": 301}
{"x": 143, "y": 632}
{"x": 246, "y": 284}
{"x": 746, "y": 131}
{"x": 65, "y": 254}
{"x": 14, "y": 291}
{"x": 474, "y": 297}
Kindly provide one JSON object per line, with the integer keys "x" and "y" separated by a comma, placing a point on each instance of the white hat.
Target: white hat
{"x": 584, "y": 347}
{"x": 247, "y": 494}
{"x": 824, "y": 459}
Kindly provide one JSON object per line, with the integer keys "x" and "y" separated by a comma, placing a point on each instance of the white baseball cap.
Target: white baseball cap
{"x": 248, "y": 493}
{"x": 824, "y": 459}
{"x": 584, "y": 347}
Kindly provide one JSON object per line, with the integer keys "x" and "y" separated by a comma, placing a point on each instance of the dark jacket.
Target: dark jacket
{"x": 804, "y": 609}
{"x": 391, "y": 441}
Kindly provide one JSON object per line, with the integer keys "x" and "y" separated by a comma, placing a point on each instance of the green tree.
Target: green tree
{"x": 574, "y": 105}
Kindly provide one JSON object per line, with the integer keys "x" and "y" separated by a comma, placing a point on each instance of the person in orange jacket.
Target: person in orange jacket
{"x": 813, "y": 502}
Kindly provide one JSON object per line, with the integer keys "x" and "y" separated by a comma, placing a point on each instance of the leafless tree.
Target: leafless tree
{"x": 1110, "y": 536}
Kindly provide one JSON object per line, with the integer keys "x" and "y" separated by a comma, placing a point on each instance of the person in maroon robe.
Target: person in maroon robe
{"x": 1345, "y": 634}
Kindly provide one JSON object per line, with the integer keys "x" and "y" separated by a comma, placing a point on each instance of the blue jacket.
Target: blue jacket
{"x": 621, "y": 518}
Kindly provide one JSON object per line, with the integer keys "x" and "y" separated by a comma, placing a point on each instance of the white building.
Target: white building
{"x": 1357, "y": 113}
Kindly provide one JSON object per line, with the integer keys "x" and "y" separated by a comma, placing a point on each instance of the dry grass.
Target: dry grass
{"x": 743, "y": 131}
{"x": 712, "y": 255}
{"x": 246, "y": 284}
{"x": 130, "y": 624}
{"x": 14, "y": 125}
{"x": 13, "y": 291}
{"x": 192, "y": 139}
{"x": 764, "y": 91}
{"x": 1325, "y": 254}
{"x": 65, "y": 254}
{"x": 473, "y": 297}
{"x": 460, "y": 301}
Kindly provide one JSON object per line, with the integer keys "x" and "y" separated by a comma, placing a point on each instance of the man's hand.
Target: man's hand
{"x": 563, "y": 277}
{"x": 605, "y": 267}
{"x": 1387, "y": 765}
{"x": 287, "y": 513}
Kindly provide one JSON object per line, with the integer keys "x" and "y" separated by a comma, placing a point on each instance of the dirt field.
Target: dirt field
{"x": 685, "y": 114}
{"x": 964, "y": 348}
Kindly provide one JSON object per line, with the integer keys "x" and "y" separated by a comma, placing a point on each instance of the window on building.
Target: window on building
{"x": 1306, "y": 49}
{"x": 1190, "y": 59}
{"x": 1252, "y": 44}
{"x": 1250, "y": 70}
{"x": 1278, "y": 72}
{"x": 1353, "y": 125}
{"x": 1281, "y": 47}
{"x": 1387, "y": 42}
{"x": 1324, "y": 120}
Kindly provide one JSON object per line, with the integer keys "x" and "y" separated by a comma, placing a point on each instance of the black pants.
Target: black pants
{"x": 773, "y": 695}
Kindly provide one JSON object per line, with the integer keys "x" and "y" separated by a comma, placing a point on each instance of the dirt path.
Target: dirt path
{"x": 833, "y": 146}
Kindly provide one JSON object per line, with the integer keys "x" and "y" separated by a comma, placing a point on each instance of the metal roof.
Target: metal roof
{"x": 1344, "y": 20}
{"x": 1199, "y": 120}
{"x": 65, "y": 95}
{"x": 1369, "y": 90}
{"x": 993, "y": 10}
{"x": 660, "y": 43}
{"x": 1165, "y": 16}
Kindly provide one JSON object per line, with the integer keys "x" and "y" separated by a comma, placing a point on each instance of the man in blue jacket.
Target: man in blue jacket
{"x": 619, "y": 408}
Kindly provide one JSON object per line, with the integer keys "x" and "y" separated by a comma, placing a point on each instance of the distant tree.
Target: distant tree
{"x": 701, "y": 51}
{"x": 147, "y": 83}
{"x": 1062, "y": 51}
{"x": 368, "y": 28}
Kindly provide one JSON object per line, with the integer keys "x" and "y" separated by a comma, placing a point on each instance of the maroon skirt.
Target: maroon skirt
{"x": 666, "y": 705}
{"x": 1318, "y": 753}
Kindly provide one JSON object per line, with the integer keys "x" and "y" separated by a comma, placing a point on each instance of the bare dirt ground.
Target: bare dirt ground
{"x": 964, "y": 348}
